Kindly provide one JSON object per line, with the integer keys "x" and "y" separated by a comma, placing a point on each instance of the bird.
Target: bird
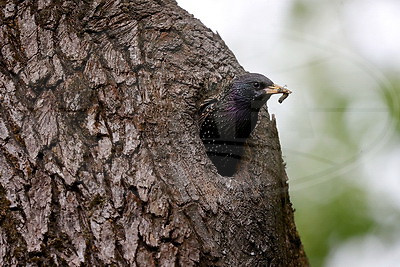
{"x": 227, "y": 120}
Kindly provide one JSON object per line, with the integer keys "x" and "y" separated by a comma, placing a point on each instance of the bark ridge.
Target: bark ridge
{"x": 101, "y": 161}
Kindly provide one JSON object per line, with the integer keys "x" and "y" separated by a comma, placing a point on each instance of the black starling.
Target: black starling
{"x": 227, "y": 120}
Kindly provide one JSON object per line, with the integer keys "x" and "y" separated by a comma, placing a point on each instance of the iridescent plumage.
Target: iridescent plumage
{"x": 227, "y": 120}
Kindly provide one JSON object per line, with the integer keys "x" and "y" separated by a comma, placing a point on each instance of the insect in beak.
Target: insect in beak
{"x": 277, "y": 89}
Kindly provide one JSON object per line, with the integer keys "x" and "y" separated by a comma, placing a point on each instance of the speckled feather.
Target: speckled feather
{"x": 227, "y": 120}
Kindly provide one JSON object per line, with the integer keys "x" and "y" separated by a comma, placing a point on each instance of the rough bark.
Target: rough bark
{"x": 101, "y": 161}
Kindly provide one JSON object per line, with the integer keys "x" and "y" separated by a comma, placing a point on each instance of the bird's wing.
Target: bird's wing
{"x": 206, "y": 109}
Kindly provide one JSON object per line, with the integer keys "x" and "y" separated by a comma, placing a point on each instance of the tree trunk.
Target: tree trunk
{"x": 101, "y": 161}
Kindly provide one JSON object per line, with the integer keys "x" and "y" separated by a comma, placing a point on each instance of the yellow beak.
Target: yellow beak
{"x": 277, "y": 89}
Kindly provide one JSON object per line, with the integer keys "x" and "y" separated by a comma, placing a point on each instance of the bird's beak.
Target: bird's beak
{"x": 276, "y": 89}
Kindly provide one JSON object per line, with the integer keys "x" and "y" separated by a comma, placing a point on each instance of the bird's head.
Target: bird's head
{"x": 253, "y": 90}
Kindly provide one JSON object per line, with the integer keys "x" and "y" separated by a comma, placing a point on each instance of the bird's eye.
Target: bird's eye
{"x": 256, "y": 84}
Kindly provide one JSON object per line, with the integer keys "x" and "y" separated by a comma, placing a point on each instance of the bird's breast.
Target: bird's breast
{"x": 233, "y": 125}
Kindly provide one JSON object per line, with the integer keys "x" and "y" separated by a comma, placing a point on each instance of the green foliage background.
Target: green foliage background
{"x": 359, "y": 120}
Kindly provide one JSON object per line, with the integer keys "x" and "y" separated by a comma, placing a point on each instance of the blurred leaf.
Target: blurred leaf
{"x": 391, "y": 97}
{"x": 332, "y": 219}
